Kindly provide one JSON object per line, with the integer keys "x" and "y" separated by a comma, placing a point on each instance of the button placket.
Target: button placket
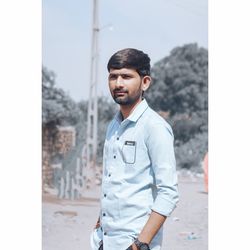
{"x": 116, "y": 145}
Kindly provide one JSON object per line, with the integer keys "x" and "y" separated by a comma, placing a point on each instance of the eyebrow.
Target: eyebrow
{"x": 120, "y": 74}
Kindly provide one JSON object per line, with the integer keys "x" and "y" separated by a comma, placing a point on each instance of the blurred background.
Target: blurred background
{"x": 78, "y": 39}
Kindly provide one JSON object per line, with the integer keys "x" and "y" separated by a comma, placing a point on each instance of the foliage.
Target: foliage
{"x": 190, "y": 154}
{"x": 180, "y": 81}
{"x": 81, "y": 126}
{"x": 180, "y": 87}
{"x": 57, "y": 107}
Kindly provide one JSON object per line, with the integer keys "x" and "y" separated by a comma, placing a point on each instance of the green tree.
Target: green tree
{"x": 180, "y": 87}
{"x": 180, "y": 81}
{"x": 58, "y": 108}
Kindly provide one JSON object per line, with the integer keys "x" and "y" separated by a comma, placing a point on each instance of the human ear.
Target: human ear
{"x": 146, "y": 80}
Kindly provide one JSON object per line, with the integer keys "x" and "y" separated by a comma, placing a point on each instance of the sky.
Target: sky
{"x": 154, "y": 26}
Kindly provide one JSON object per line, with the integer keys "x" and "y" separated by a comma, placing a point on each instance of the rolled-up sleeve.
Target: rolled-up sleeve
{"x": 161, "y": 152}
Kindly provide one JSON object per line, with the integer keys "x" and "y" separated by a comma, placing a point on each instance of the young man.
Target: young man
{"x": 139, "y": 185}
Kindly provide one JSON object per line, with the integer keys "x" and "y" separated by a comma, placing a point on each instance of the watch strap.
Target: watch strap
{"x": 141, "y": 245}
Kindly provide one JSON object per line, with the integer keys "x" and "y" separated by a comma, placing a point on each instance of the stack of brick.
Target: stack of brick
{"x": 65, "y": 139}
{"x": 54, "y": 141}
{"x": 47, "y": 152}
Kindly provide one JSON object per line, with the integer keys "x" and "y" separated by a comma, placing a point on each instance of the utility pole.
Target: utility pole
{"x": 91, "y": 149}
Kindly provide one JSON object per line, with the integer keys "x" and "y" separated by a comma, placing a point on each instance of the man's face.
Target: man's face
{"x": 125, "y": 86}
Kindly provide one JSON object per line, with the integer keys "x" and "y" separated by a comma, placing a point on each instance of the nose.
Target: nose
{"x": 119, "y": 81}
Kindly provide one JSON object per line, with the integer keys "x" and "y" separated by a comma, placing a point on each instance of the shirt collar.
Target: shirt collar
{"x": 135, "y": 115}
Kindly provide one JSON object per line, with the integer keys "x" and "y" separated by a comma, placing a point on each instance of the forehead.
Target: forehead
{"x": 123, "y": 71}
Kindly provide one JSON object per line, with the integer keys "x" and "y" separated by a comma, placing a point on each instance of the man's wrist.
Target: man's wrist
{"x": 141, "y": 245}
{"x": 133, "y": 247}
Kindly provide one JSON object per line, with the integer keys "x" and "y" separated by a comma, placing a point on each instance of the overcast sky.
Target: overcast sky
{"x": 154, "y": 26}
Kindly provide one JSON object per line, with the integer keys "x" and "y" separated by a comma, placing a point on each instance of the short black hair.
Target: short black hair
{"x": 132, "y": 59}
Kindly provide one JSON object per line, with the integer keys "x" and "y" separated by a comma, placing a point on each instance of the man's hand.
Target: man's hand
{"x": 152, "y": 226}
{"x": 132, "y": 247}
{"x": 97, "y": 223}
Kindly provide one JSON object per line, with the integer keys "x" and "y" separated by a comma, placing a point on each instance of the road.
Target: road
{"x": 68, "y": 224}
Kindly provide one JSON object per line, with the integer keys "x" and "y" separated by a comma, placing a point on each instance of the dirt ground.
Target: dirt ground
{"x": 67, "y": 224}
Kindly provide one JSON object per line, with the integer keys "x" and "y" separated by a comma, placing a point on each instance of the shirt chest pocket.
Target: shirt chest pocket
{"x": 129, "y": 152}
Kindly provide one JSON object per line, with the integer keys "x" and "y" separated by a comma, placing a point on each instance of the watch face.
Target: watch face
{"x": 144, "y": 247}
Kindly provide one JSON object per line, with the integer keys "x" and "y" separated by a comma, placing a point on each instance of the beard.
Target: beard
{"x": 126, "y": 99}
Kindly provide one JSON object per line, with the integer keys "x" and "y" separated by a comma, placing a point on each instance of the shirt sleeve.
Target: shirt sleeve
{"x": 161, "y": 151}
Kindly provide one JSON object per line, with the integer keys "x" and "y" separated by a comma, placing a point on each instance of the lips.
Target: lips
{"x": 117, "y": 92}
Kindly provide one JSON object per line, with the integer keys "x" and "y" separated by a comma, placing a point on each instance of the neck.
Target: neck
{"x": 126, "y": 110}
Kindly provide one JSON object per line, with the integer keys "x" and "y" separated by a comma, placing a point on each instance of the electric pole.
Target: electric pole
{"x": 92, "y": 120}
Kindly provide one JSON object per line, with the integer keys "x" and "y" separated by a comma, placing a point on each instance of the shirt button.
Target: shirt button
{"x": 114, "y": 156}
{"x": 105, "y": 195}
{"x": 109, "y": 175}
{"x": 105, "y": 233}
{"x": 103, "y": 214}
{"x": 117, "y": 138}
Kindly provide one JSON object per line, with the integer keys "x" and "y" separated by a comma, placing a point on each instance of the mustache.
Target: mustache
{"x": 120, "y": 91}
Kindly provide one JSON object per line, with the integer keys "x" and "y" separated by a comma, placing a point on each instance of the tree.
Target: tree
{"x": 180, "y": 87}
{"x": 57, "y": 107}
{"x": 180, "y": 81}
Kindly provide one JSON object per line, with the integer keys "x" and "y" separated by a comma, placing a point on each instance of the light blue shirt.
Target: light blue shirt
{"x": 139, "y": 175}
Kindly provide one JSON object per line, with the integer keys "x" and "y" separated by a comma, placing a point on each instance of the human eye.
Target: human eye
{"x": 126, "y": 76}
{"x": 112, "y": 77}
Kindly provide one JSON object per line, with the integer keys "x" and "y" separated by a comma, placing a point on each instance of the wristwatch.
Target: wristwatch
{"x": 141, "y": 245}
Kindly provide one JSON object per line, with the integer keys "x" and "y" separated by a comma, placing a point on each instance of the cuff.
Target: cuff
{"x": 163, "y": 206}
